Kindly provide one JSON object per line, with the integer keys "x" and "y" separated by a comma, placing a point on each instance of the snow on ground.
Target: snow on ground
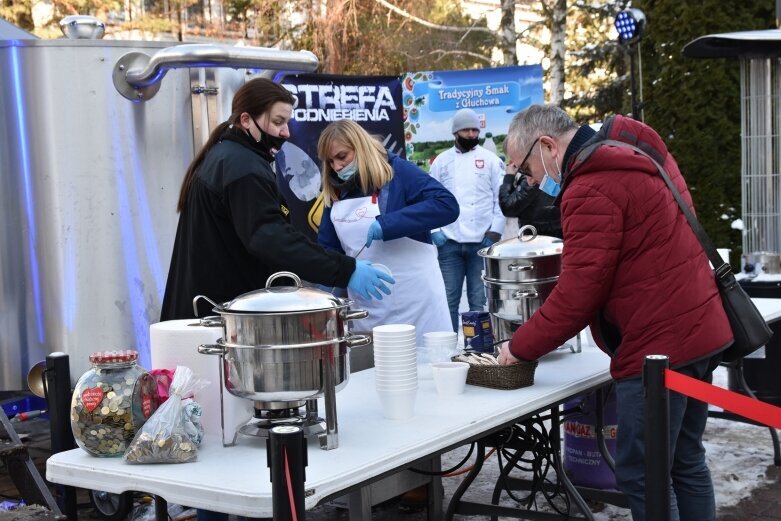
{"x": 739, "y": 455}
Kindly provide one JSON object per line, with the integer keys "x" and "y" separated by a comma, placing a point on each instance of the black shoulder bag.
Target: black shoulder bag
{"x": 748, "y": 327}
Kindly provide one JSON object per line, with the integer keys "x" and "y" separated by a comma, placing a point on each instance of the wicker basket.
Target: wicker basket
{"x": 512, "y": 376}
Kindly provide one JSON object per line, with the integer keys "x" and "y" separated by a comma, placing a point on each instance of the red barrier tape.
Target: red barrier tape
{"x": 756, "y": 410}
{"x": 289, "y": 481}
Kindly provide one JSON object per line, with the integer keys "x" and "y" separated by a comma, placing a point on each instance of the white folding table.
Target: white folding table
{"x": 236, "y": 479}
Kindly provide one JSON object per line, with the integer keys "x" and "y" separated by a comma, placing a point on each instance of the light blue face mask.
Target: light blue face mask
{"x": 548, "y": 185}
{"x": 348, "y": 171}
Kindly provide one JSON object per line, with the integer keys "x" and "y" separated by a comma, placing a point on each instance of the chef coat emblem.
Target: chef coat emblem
{"x": 479, "y": 163}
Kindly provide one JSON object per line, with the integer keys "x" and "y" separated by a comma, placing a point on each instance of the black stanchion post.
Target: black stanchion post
{"x": 58, "y": 398}
{"x": 286, "y": 451}
{"x": 657, "y": 439}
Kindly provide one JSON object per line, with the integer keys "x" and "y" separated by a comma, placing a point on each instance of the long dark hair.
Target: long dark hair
{"x": 254, "y": 97}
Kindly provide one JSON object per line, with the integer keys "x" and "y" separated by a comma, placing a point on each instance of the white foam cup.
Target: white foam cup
{"x": 440, "y": 336}
{"x": 400, "y": 372}
{"x": 393, "y": 329}
{"x": 395, "y": 356}
{"x": 398, "y": 405}
{"x": 399, "y": 347}
{"x": 450, "y": 377}
{"x": 391, "y": 374}
{"x": 396, "y": 379}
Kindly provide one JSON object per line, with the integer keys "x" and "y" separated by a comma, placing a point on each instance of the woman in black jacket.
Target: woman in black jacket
{"x": 234, "y": 228}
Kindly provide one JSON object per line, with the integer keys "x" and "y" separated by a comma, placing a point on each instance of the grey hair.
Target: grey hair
{"x": 536, "y": 121}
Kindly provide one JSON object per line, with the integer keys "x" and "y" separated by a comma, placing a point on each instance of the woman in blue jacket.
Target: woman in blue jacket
{"x": 375, "y": 199}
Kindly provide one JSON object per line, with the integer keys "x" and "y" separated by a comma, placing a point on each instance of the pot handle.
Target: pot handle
{"x": 525, "y": 294}
{"x": 211, "y": 349}
{"x": 288, "y": 274}
{"x": 358, "y": 341}
{"x": 522, "y": 233}
{"x": 211, "y": 322}
{"x": 355, "y": 314}
{"x": 520, "y": 267}
{"x": 204, "y": 297}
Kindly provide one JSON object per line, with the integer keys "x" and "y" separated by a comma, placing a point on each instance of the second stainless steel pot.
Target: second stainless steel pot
{"x": 527, "y": 258}
{"x": 517, "y": 302}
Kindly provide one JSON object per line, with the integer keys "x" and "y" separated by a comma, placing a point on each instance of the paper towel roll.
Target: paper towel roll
{"x": 175, "y": 342}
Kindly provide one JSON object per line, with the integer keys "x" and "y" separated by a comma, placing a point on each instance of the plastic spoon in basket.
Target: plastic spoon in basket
{"x": 473, "y": 350}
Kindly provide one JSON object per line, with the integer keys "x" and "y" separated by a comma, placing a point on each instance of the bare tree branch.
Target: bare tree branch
{"x": 443, "y": 53}
{"x": 430, "y": 25}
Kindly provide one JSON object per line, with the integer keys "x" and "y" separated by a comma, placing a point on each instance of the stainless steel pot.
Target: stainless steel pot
{"x": 284, "y": 343}
{"x": 763, "y": 262}
{"x": 517, "y": 302}
{"x": 271, "y": 374}
{"x": 527, "y": 258}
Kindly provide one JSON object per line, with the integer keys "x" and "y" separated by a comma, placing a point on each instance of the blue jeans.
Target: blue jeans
{"x": 459, "y": 260}
{"x": 691, "y": 488}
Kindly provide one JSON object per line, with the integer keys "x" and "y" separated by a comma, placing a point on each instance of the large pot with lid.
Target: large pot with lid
{"x": 284, "y": 343}
{"x": 520, "y": 273}
{"x": 517, "y": 302}
{"x": 527, "y": 258}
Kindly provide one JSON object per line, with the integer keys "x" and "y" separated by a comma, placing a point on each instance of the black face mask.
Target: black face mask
{"x": 268, "y": 143}
{"x": 466, "y": 144}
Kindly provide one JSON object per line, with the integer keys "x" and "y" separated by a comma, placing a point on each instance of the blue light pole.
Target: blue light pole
{"x": 630, "y": 24}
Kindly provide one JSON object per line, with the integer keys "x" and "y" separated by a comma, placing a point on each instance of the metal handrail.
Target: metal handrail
{"x": 137, "y": 75}
{"x": 211, "y": 55}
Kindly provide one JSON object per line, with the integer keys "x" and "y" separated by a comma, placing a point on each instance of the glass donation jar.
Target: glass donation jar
{"x": 111, "y": 402}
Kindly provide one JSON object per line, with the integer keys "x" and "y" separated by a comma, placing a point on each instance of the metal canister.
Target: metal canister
{"x": 111, "y": 402}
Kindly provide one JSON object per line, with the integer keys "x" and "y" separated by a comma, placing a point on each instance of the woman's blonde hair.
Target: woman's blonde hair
{"x": 371, "y": 158}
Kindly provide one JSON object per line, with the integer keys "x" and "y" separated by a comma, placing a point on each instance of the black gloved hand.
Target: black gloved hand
{"x": 493, "y": 236}
{"x": 490, "y": 238}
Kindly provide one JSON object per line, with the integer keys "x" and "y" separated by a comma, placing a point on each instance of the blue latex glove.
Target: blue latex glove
{"x": 438, "y": 238}
{"x": 367, "y": 280}
{"x": 490, "y": 238}
{"x": 375, "y": 232}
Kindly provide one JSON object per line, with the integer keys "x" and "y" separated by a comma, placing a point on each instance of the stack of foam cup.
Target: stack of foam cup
{"x": 438, "y": 346}
{"x": 396, "y": 369}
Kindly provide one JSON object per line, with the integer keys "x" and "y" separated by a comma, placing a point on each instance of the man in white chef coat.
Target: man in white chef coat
{"x": 473, "y": 175}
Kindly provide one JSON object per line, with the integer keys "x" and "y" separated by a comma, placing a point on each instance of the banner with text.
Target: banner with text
{"x": 431, "y": 98}
{"x": 372, "y": 101}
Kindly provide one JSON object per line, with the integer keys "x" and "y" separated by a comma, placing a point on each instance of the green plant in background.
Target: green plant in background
{"x": 596, "y": 68}
{"x": 694, "y": 104}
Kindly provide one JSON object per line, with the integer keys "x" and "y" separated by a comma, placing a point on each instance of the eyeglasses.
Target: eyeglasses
{"x": 521, "y": 169}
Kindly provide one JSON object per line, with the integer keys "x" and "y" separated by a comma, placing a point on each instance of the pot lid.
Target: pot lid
{"x": 277, "y": 299}
{"x": 525, "y": 245}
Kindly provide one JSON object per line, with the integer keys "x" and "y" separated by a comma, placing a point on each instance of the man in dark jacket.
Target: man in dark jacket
{"x": 517, "y": 198}
{"x": 632, "y": 269}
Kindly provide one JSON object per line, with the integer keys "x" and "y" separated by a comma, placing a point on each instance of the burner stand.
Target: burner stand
{"x": 264, "y": 420}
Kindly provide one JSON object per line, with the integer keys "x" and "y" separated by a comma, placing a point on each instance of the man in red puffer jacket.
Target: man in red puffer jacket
{"x": 633, "y": 270}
